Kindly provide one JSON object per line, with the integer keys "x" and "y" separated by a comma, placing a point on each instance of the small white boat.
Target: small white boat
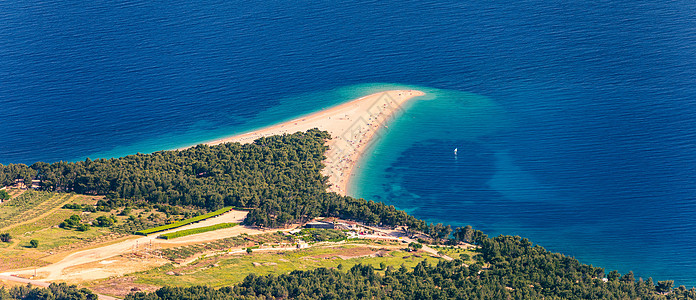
{"x": 455, "y": 151}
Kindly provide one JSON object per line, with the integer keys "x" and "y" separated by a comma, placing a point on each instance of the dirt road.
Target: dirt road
{"x": 99, "y": 266}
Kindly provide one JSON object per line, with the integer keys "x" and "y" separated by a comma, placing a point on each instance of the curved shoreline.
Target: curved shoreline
{"x": 352, "y": 125}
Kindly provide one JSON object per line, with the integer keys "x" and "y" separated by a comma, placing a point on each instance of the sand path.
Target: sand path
{"x": 352, "y": 125}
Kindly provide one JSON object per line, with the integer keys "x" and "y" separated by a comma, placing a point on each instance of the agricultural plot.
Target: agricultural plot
{"x": 186, "y": 232}
{"x": 23, "y": 207}
{"x": 185, "y": 222}
{"x": 129, "y": 226}
{"x": 40, "y": 222}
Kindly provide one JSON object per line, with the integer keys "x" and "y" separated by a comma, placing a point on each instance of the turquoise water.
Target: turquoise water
{"x": 289, "y": 106}
{"x": 574, "y": 120}
{"x": 512, "y": 175}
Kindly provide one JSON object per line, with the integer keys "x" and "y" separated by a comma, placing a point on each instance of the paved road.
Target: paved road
{"x": 45, "y": 284}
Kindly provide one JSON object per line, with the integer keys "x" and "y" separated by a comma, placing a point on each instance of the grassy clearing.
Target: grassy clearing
{"x": 43, "y": 227}
{"x": 454, "y": 252}
{"x": 226, "y": 270}
{"x": 185, "y": 222}
{"x": 17, "y": 259}
{"x": 185, "y": 252}
{"x": 191, "y": 231}
{"x": 24, "y": 206}
{"x": 39, "y": 221}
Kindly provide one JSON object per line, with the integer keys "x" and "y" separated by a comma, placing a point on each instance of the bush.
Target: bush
{"x": 34, "y": 244}
{"x": 104, "y": 221}
{"x": 126, "y": 211}
{"x": 5, "y": 237}
{"x": 82, "y": 227}
{"x": 71, "y": 222}
{"x": 72, "y": 206}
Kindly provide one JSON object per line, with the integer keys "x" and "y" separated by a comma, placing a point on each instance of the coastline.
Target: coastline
{"x": 352, "y": 126}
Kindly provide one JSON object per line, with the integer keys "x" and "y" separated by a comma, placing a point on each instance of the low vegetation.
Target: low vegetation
{"x": 224, "y": 270}
{"x": 185, "y": 222}
{"x": 29, "y": 205}
{"x": 514, "y": 269}
{"x": 188, "y": 251}
{"x": 322, "y": 235}
{"x": 182, "y": 233}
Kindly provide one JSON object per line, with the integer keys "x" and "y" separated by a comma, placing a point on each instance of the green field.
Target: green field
{"x": 41, "y": 221}
{"x": 230, "y": 269}
{"x": 35, "y": 216}
{"x": 28, "y": 205}
{"x": 191, "y": 231}
{"x": 185, "y": 222}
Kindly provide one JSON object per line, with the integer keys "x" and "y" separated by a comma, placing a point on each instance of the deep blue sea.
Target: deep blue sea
{"x": 575, "y": 121}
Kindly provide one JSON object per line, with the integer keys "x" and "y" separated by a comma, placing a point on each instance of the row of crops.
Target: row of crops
{"x": 29, "y": 205}
{"x": 180, "y": 233}
{"x": 184, "y": 222}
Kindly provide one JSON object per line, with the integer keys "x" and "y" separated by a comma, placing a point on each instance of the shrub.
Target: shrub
{"x": 34, "y": 244}
{"x": 72, "y": 206}
{"x": 5, "y": 237}
{"x": 82, "y": 227}
{"x": 71, "y": 222}
{"x": 104, "y": 221}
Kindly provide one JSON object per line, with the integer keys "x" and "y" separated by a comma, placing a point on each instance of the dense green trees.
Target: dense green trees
{"x": 9, "y": 173}
{"x": 279, "y": 176}
{"x": 54, "y": 291}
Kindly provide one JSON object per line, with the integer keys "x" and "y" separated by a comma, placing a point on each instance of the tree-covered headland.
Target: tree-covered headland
{"x": 279, "y": 179}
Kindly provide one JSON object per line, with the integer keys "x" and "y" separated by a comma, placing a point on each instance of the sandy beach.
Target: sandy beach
{"x": 352, "y": 125}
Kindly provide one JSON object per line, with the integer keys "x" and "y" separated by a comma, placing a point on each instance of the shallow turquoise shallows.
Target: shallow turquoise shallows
{"x": 573, "y": 120}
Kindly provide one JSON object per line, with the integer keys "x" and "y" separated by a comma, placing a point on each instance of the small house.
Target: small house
{"x": 35, "y": 184}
